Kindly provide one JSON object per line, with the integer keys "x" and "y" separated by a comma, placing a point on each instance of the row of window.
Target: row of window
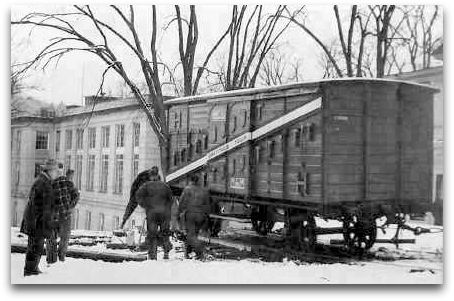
{"x": 105, "y": 137}
{"x": 104, "y": 172}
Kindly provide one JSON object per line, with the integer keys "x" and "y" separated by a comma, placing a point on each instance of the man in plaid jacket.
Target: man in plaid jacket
{"x": 66, "y": 198}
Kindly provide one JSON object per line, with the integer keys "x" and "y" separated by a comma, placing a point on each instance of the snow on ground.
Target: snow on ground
{"x": 84, "y": 271}
{"x": 425, "y": 266}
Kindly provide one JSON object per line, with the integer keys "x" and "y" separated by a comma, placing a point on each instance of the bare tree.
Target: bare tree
{"x": 325, "y": 61}
{"x": 353, "y": 34}
{"x": 187, "y": 52}
{"x": 251, "y": 36}
{"x": 277, "y": 69}
{"x": 417, "y": 34}
{"x": 70, "y": 38}
{"x": 382, "y": 16}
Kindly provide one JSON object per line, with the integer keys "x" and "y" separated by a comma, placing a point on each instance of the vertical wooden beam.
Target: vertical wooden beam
{"x": 365, "y": 147}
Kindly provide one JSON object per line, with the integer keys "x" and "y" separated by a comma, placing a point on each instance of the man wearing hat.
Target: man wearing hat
{"x": 39, "y": 219}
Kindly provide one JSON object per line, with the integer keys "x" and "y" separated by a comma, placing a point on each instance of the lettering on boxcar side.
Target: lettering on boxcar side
{"x": 237, "y": 183}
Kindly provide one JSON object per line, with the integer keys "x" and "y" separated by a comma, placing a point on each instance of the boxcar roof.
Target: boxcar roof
{"x": 310, "y": 86}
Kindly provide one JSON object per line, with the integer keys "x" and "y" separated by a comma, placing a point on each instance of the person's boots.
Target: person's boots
{"x": 187, "y": 251}
{"x": 200, "y": 256}
{"x": 61, "y": 256}
{"x": 152, "y": 252}
{"x": 31, "y": 265}
{"x": 167, "y": 247}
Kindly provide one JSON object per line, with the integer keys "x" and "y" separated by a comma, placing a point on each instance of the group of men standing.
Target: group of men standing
{"x": 53, "y": 197}
{"x": 47, "y": 215}
{"x": 156, "y": 198}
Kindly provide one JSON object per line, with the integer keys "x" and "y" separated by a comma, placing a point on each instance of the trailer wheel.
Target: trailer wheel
{"x": 359, "y": 235}
{"x": 262, "y": 227}
{"x": 309, "y": 237}
{"x": 261, "y": 220}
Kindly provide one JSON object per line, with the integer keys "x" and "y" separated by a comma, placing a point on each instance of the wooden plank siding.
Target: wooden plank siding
{"x": 370, "y": 141}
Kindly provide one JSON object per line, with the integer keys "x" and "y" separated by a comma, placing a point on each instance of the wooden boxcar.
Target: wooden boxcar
{"x": 349, "y": 149}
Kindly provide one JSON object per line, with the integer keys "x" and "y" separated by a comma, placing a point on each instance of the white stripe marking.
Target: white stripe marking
{"x": 260, "y": 132}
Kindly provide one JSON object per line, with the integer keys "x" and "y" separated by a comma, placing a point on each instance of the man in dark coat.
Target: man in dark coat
{"x": 194, "y": 209}
{"x": 156, "y": 198}
{"x": 66, "y": 198}
{"x": 40, "y": 218}
{"x": 141, "y": 178}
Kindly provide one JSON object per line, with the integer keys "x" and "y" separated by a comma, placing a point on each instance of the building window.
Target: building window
{"x": 78, "y": 171}
{"x": 105, "y": 135}
{"x": 91, "y": 172}
{"x": 272, "y": 149}
{"x": 37, "y": 169}
{"x": 205, "y": 142}
{"x": 190, "y": 151}
{"x": 115, "y": 222}
{"x": 67, "y": 162}
{"x": 198, "y": 146}
{"x": 205, "y": 179}
{"x": 101, "y": 222}
{"x": 18, "y": 141}
{"x": 183, "y": 155}
{"x": 136, "y": 139}
{"x": 17, "y": 171}
{"x": 104, "y": 172}
{"x": 68, "y": 139}
{"x": 75, "y": 220}
{"x": 88, "y": 220}
{"x": 57, "y": 141}
{"x": 135, "y": 166}
{"x": 175, "y": 158}
{"x": 79, "y": 139}
{"x": 214, "y": 172}
{"x": 92, "y": 137}
{"x": 118, "y": 185}
{"x": 309, "y": 132}
{"x": 175, "y": 118}
{"x": 297, "y": 137}
{"x": 42, "y": 140}
{"x": 234, "y": 123}
{"x": 120, "y": 135}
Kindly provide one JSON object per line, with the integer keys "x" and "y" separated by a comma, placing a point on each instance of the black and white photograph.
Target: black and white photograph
{"x": 180, "y": 143}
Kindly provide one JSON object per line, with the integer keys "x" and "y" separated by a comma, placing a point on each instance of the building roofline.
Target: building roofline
{"x": 424, "y": 71}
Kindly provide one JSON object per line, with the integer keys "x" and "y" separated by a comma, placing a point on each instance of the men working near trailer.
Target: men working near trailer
{"x": 141, "y": 178}
{"x": 39, "y": 219}
{"x": 156, "y": 198}
{"x": 66, "y": 199}
{"x": 194, "y": 209}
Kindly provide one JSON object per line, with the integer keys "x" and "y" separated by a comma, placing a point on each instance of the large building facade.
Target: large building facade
{"x": 106, "y": 145}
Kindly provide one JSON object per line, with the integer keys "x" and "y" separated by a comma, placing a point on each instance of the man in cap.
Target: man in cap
{"x": 40, "y": 217}
{"x": 66, "y": 198}
{"x": 156, "y": 198}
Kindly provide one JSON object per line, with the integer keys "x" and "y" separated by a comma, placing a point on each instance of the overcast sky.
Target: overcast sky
{"x": 78, "y": 75}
